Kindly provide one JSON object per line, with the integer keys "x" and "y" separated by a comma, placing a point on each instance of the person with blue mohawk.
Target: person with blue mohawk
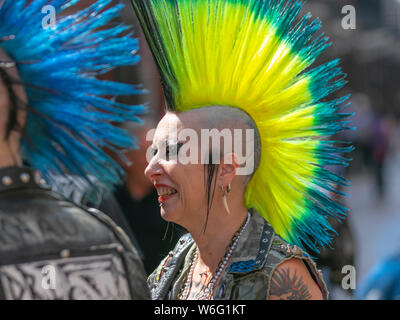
{"x": 56, "y": 121}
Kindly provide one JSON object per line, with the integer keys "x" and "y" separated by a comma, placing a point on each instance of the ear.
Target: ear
{"x": 228, "y": 167}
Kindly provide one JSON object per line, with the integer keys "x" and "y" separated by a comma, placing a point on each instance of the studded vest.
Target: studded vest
{"x": 248, "y": 275}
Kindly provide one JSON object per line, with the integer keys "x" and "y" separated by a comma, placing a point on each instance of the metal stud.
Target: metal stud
{"x": 25, "y": 178}
{"x": 221, "y": 292}
{"x": 6, "y": 180}
{"x": 65, "y": 253}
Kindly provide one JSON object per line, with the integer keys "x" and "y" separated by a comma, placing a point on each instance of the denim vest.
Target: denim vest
{"x": 248, "y": 275}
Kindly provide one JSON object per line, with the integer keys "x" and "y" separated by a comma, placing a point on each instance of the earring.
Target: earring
{"x": 224, "y": 198}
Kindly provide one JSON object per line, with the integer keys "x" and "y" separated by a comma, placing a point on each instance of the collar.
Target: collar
{"x": 12, "y": 178}
{"x": 253, "y": 246}
{"x": 250, "y": 254}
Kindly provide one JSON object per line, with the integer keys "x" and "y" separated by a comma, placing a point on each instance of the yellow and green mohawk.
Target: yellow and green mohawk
{"x": 255, "y": 55}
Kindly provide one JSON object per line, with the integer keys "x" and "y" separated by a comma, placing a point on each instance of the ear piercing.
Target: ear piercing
{"x": 228, "y": 189}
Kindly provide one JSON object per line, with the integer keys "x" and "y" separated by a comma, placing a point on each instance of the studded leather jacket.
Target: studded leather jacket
{"x": 52, "y": 249}
{"x": 248, "y": 275}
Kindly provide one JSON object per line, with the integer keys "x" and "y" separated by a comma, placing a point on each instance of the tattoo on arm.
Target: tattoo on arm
{"x": 288, "y": 286}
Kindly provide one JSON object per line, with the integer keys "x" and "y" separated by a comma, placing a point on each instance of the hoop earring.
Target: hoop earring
{"x": 224, "y": 198}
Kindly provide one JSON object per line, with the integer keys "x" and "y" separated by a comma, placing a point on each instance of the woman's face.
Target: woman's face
{"x": 180, "y": 187}
{"x": 5, "y": 102}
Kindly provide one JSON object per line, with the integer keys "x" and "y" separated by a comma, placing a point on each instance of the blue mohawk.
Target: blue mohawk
{"x": 69, "y": 120}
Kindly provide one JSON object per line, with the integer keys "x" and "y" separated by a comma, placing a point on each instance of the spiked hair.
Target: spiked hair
{"x": 252, "y": 55}
{"x": 69, "y": 119}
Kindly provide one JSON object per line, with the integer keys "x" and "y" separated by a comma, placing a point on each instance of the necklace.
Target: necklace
{"x": 207, "y": 292}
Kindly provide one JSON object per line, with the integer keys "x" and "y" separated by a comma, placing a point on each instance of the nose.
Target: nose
{"x": 154, "y": 170}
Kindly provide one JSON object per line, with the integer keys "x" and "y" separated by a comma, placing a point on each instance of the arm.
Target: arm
{"x": 292, "y": 281}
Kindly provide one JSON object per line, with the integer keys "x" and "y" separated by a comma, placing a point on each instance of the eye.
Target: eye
{"x": 172, "y": 149}
{"x": 153, "y": 151}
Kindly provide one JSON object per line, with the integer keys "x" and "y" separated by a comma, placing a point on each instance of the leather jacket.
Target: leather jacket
{"x": 51, "y": 248}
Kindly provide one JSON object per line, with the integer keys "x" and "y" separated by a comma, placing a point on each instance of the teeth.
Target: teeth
{"x": 163, "y": 191}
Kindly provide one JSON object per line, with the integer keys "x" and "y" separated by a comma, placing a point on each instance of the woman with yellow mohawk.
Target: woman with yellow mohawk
{"x": 230, "y": 67}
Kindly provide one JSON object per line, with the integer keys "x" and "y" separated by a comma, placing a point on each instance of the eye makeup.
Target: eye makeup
{"x": 171, "y": 149}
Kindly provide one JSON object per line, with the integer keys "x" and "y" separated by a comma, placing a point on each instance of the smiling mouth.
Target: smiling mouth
{"x": 165, "y": 192}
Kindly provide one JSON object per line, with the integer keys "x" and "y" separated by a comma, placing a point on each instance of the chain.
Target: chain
{"x": 206, "y": 292}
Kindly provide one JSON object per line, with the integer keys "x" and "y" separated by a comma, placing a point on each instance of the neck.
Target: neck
{"x": 7, "y": 157}
{"x": 221, "y": 227}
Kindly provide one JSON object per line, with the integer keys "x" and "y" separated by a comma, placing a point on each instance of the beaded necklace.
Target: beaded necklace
{"x": 207, "y": 292}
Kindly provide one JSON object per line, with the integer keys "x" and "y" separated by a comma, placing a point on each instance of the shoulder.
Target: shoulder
{"x": 294, "y": 276}
{"x": 133, "y": 264}
{"x": 291, "y": 280}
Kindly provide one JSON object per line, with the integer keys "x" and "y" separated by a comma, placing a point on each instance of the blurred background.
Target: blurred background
{"x": 370, "y": 56}
{"x": 368, "y": 43}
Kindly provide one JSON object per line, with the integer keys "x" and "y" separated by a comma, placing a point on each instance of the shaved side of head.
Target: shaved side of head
{"x": 225, "y": 117}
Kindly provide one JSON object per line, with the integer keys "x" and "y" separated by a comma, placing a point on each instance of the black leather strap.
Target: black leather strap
{"x": 257, "y": 263}
{"x": 12, "y": 178}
